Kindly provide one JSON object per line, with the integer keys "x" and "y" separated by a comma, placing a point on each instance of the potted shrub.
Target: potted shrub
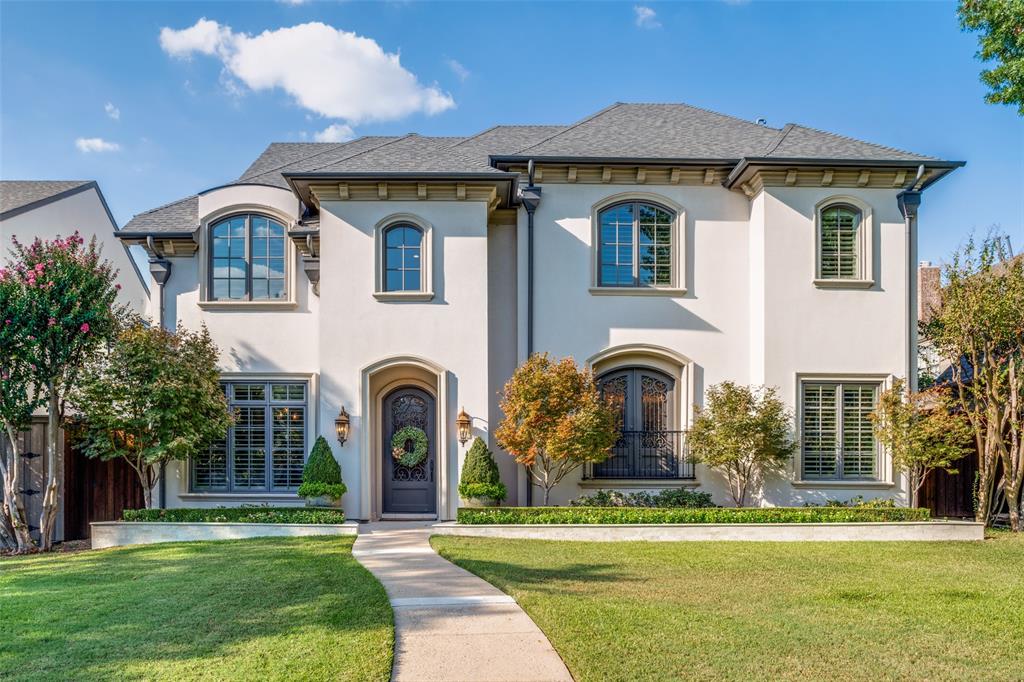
{"x": 480, "y": 484}
{"x": 321, "y": 477}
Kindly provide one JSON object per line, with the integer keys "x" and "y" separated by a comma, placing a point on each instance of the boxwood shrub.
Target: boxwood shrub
{"x": 556, "y": 515}
{"x": 238, "y": 515}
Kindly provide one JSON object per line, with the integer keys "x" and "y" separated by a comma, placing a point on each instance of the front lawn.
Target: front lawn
{"x": 270, "y": 608}
{"x": 755, "y": 610}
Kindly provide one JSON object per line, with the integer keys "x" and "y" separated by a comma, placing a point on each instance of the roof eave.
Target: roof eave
{"x": 748, "y": 163}
{"x": 499, "y": 160}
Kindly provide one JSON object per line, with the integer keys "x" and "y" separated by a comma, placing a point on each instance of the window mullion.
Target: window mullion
{"x": 636, "y": 245}
{"x": 248, "y": 257}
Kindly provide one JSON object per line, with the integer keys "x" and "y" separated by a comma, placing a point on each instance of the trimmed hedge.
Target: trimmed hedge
{"x": 558, "y": 515}
{"x": 238, "y": 515}
{"x": 480, "y": 476}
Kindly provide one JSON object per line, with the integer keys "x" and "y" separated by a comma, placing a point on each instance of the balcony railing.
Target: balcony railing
{"x": 651, "y": 455}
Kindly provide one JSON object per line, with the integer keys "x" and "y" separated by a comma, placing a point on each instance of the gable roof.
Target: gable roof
{"x": 181, "y": 216}
{"x": 19, "y": 196}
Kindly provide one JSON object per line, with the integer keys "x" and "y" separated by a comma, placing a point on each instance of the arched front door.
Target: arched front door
{"x": 408, "y": 490}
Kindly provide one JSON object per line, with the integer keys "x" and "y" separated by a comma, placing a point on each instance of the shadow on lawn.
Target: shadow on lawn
{"x": 549, "y": 580}
{"x": 83, "y": 614}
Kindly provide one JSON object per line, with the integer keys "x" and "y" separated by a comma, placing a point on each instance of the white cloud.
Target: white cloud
{"x": 646, "y": 17}
{"x": 333, "y": 73}
{"x": 88, "y": 145}
{"x": 336, "y": 132}
{"x": 460, "y": 71}
{"x": 112, "y": 111}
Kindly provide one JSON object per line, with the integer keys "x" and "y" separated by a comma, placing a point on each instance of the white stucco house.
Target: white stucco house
{"x": 402, "y": 279}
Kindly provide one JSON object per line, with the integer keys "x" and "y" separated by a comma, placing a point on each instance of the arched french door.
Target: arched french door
{"x": 649, "y": 446}
{"x": 408, "y": 490}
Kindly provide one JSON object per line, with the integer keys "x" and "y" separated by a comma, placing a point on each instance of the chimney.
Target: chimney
{"x": 929, "y": 290}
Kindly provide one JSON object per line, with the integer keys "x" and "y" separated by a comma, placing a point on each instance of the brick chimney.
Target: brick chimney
{"x": 929, "y": 290}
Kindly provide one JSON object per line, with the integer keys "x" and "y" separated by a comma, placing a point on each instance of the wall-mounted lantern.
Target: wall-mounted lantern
{"x": 341, "y": 424}
{"x": 463, "y": 423}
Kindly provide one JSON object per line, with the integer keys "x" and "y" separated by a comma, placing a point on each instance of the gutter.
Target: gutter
{"x": 747, "y": 162}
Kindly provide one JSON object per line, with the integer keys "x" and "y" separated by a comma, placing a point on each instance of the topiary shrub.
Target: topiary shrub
{"x": 321, "y": 477}
{"x": 480, "y": 477}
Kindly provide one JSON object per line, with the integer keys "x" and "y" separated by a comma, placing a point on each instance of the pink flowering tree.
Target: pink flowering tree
{"x": 63, "y": 310}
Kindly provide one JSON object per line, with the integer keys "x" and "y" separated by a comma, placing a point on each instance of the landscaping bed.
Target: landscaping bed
{"x": 709, "y": 515}
{"x": 279, "y": 608}
{"x": 767, "y": 611}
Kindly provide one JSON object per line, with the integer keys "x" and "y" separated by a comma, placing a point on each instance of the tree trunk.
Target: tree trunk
{"x": 547, "y": 492}
{"x": 48, "y": 516}
{"x": 16, "y": 515}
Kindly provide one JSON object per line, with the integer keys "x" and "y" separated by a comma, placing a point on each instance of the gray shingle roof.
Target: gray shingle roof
{"x": 621, "y": 131}
{"x": 177, "y": 216}
{"x": 23, "y": 194}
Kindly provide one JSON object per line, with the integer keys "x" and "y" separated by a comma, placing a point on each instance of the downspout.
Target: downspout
{"x": 160, "y": 269}
{"x": 530, "y": 198}
{"x": 909, "y": 202}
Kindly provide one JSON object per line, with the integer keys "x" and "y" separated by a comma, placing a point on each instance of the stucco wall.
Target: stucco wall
{"x": 84, "y": 212}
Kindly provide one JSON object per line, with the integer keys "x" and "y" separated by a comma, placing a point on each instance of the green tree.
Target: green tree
{"x": 321, "y": 476}
{"x": 19, "y": 398}
{"x": 979, "y": 333}
{"x": 555, "y": 420}
{"x": 480, "y": 477}
{"x": 152, "y": 398}
{"x": 921, "y": 431}
{"x": 66, "y": 310}
{"x": 744, "y": 431}
{"x": 1000, "y": 24}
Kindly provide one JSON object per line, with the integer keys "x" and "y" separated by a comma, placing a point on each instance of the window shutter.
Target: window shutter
{"x": 840, "y": 243}
{"x": 820, "y": 426}
{"x": 858, "y": 437}
{"x": 249, "y": 452}
{"x": 289, "y": 440}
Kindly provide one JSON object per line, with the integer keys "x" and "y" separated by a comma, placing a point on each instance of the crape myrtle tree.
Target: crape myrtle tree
{"x": 743, "y": 431}
{"x": 62, "y": 306}
{"x": 19, "y": 398}
{"x": 923, "y": 431}
{"x": 555, "y": 420}
{"x": 979, "y": 332}
{"x": 152, "y": 398}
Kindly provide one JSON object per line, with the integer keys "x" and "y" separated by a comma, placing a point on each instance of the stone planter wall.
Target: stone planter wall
{"x": 117, "y": 533}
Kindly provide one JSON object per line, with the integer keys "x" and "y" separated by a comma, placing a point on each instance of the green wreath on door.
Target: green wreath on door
{"x": 420, "y": 443}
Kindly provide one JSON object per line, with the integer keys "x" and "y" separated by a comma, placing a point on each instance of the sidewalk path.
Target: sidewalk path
{"x": 449, "y": 624}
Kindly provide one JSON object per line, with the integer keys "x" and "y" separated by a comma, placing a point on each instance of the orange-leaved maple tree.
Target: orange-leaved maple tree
{"x": 555, "y": 420}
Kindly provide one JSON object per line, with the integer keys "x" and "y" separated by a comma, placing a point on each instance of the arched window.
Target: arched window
{"x": 247, "y": 259}
{"x": 403, "y": 258}
{"x": 649, "y": 445}
{"x": 635, "y": 245}
{"x": 841, "y": 242}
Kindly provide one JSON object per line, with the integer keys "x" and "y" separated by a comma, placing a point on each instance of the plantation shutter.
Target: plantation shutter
{"x": 250, "y": 448}
{"x": 820, "y": 416}
{"x": 840, "y": 242}
{"x": 858, "y": 437}
{"x": 837, "y": 437}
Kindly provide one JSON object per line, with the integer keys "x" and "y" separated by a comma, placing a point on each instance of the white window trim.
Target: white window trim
{"x": 886, "y": 471}
{"x": 426, "y": 292}
{"x": 865, "y": 256}
{"x": 288, "y": 303}
{"x": 678, "y": 286}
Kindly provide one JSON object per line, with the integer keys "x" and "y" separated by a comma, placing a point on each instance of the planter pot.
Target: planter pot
{"x": 479, "y": 502}
{"x": 323, "y": 501}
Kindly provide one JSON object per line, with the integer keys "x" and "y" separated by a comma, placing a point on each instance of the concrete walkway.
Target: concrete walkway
{"x": 449, "y": 624}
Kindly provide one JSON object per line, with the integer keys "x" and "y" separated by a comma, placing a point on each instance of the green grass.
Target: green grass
{"x": 272, "y": 608}
{"x": 767, "y": 611}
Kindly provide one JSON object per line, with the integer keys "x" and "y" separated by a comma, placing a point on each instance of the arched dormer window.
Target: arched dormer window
{"x": 844, "y": 243}
{"x": 403, "y": 258}
{"x": 247, "y": 259}
{"x": 635, "y": 246}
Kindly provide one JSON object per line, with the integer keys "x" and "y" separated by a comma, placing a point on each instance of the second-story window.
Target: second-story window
{"x": 635, "y": 247}
{"x": 841, "y": 238}
{"x": 247, "y": 259}
{"x": 403, "y": 258}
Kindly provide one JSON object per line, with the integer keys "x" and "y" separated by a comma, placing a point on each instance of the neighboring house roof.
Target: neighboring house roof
{"x": 669, "y": 132}
{"x": 18, "y": 196}
{"x": 176, "y": 217}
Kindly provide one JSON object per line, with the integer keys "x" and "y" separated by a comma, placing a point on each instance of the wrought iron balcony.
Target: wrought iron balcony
{"x": 645, "y": 455}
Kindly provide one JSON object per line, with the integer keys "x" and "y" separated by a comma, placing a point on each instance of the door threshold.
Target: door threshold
{"x": 408, "y": 517}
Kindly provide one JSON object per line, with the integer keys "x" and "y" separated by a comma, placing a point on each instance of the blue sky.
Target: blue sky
{"x": 91, "y": 90}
